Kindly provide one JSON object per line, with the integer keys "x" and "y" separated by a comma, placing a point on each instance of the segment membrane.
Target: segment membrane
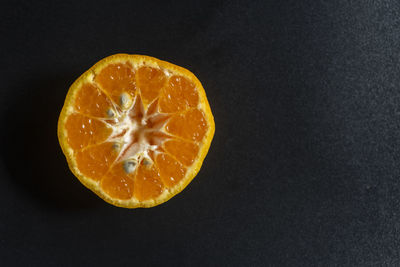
{"x": 179, "y": 94}
{"x": 83, "y": 131}
{"x": 117, "y": 183}
{"x": 191, "y": 125}
{"x": 148, "y": 183}
{"x": 171, "y": 171}
{"x": 149, "y": 82}
{"x": 116, "y": 79}
{"x": 91, "y": 101}
{"x": 95, "y": 161}
{"x": 183, "y": 151}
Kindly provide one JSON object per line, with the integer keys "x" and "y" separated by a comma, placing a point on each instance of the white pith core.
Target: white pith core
{"x": 132, "y": 128}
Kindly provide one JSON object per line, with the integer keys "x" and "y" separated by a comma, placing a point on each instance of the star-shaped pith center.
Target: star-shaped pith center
{"x": 137, "y": 133}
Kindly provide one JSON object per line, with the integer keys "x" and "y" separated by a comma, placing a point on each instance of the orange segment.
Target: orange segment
{"x": 148, "y": 184}
{"x": 116, "y": 79}
{"x": 183, "y": 151}
{"x": 150, "y": 81}
{"x": 135, "y": 130}
{"x": 117, "y": 183}
{"x": 171, "y": 171}
{"x": 191, "y": 125}
{"x": 94, "y": 161}
{"x": 179, "y": 94}
{"x": 83, "y": 131}
{"x": 91, "y": 101}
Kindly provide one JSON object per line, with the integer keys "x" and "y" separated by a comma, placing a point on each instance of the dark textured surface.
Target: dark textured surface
{"x": 303, "y": 169}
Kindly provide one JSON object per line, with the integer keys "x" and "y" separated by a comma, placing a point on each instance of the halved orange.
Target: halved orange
{"x": 135, "y": 130}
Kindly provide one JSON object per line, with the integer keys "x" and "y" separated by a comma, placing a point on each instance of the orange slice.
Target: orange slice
{"x": 135, "y": 130}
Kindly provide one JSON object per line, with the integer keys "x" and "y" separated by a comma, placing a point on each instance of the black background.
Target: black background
{"x": 304, "y": 166}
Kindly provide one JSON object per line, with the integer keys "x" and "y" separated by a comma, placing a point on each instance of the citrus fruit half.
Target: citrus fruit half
{"x": 135, "y": 130}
